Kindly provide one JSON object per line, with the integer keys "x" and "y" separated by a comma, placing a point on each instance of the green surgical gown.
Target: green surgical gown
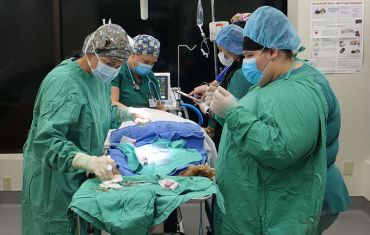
{"x": 271, "y": 167}
{"x": 238, "y": 86}
{"x": 336, "y": 194}
{"x": 72, "y": 114}
{"x": 136, "y": 98}
{"x": 140, "y": 204}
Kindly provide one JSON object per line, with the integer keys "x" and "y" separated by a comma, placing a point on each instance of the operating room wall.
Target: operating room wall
{"x": 26, "y": 56}
{"x": 353, "y": 91}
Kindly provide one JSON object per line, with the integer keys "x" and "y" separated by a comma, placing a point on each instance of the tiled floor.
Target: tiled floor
{"x": 10, "y": 219}
{"x": 351, "y": 222}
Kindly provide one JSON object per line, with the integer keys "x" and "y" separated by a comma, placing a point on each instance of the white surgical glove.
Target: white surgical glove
{"x": 139, "y": 116}
{"x": 199, "y": 91}
{"x": 100, "y": 166}
{"x": 222, "y": 102}
{"x": 209, "y": 94}
{"x": 203, "y": 107}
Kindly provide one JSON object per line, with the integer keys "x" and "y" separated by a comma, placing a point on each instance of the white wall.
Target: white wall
{"x": 353, "y": 92}
{"x": 11, "y": 165}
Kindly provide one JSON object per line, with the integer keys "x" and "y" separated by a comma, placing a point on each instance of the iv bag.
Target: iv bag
{"x": 200, "y": 18}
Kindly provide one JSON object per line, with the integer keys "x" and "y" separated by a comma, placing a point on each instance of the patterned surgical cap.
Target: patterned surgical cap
{"x": 146, "y": 45}
{"x": 239, "y": 19}
{"x": 108, "y": 40}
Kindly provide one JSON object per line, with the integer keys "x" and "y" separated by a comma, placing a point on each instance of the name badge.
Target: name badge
{"x": 153, "y": 103}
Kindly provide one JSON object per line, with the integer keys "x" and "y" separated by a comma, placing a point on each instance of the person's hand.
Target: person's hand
{"x": 199, "y": 92}
{"x": 160, "y": 106}
{"x": 139, "y": 116}
{"x": 102, "y": 166}
{"x": 203, "y": 107}
{"x": 209, "y": 94}
{"x": 222, "y": 102}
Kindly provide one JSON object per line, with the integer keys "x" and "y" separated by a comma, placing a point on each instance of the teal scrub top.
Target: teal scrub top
{"x": 136, "y": 98}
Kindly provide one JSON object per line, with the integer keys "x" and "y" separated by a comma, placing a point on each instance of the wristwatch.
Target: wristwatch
{"x": 208, "y": 111}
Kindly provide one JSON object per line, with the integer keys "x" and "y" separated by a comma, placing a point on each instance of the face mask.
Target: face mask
{"x": 143, "y": 69}
{"x": 223, "y": 60}
{"x": 103, "y": 72}
{"x": 251, "y": 71}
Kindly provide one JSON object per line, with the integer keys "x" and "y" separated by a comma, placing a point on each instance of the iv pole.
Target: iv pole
{"x": 178, "y": 61}
{"x": 214, "y": 43}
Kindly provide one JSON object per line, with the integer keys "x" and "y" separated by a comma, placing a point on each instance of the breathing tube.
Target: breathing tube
{"x": 199, "y": 114}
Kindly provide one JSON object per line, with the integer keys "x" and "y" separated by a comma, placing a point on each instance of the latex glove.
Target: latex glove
{"x": 209, "y": 94}
{"x": 199, "y": 92}
{"x": 203, "y": 107}
{"x": 222, "y": 102}
{"x": 139, "y": 116}
{"x": 101, "y": 166}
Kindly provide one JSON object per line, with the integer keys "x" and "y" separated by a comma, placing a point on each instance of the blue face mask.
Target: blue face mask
{"x": 143, "y": 69}
{"x": 103, "y": 72}
{"x": 251, "y": 71}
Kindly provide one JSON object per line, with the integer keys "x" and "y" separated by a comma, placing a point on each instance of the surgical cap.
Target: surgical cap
{"x": 270, "y": 28}
{"x": 230, "y": 37}
{"x": 108, "y": 40}
{"x": 146, "y": 45}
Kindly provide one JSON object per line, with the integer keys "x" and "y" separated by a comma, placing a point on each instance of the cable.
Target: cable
{"x": 201, "y": 47}
{"x": 199, "y": 114}
{"x": 150, "y": 82}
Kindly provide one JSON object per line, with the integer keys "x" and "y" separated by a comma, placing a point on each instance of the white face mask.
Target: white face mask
{"x": 223, "y": 60}
{"x": 103, "y": 72}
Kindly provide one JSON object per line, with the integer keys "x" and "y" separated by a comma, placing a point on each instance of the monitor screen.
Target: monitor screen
{"x": 164, "y": 84}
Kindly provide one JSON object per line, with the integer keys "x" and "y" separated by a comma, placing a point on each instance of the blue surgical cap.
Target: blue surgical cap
{"x": 146, "y": 45}
{"x": 230, "y": 37}
{"x": 270, "y": 28}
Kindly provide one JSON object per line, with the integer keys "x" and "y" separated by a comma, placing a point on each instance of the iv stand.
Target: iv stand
{"x": 214, "y": 43}
{"x": 177, "y": 96}
{"x": 178, "y": 61}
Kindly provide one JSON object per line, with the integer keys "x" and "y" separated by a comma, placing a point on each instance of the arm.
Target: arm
{"x": 200, "y": 91}
{"x": 59, "y": 125}
{"x": 160, "y": 105}
{"x": 284, "y": 130}
{"x": 59, "y": 112}
{"x": 119, "y": 115}
{"x": 137, "y": 115}
{"x": 238, "y": 87}
{"x": 115, "y": 97}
